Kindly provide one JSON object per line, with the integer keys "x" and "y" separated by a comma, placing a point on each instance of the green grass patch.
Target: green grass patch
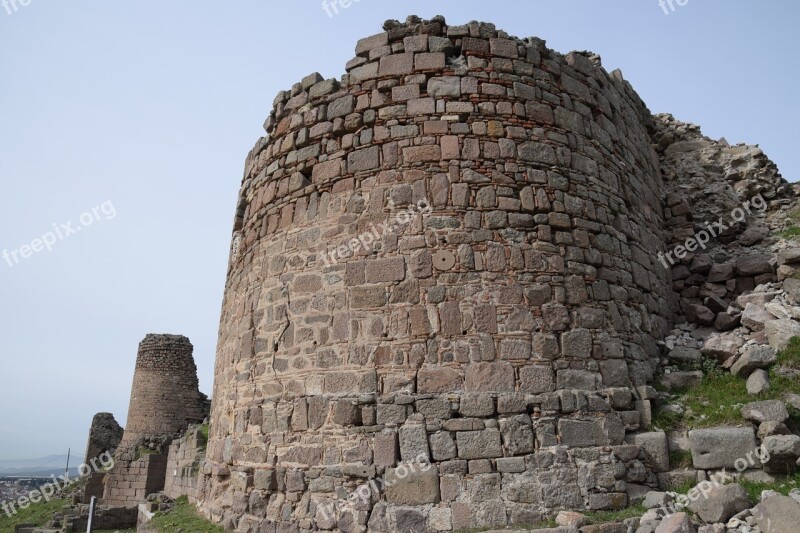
{"x": 183, "y": 517}
{"x": 718, "y": 399}
{"x": 782, "y": 485}
{"x": 37, "y": 514}
{"x": 791, "y": 233}
{"x": 606, "y": 517}
{"x": 680, "y": 459}
{"x": 204, "y": 433}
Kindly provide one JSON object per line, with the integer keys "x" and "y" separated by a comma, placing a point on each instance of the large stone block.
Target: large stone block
{"x": 479, "y": 444}
{"x": 721, "y": 447}
{"x": 656, "y": 448}
{"x": 497, "y": 376}
{"x": 412, "y": 484}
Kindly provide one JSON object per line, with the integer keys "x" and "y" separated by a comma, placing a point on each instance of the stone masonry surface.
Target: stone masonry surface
{"x": 165, "y": 400}
{"x": 516, "y": 370}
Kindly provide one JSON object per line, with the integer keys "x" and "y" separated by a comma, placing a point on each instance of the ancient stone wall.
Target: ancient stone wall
{"x": 105, "y": 435}
{"x": 442, "y": 276}
{"x": 184, "y": 463}
{"x": 165, "y": 400}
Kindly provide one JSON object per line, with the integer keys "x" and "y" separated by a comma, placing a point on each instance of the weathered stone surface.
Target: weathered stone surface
{"x": 758, "y": 382}
{"x": 756, "y": 356}
{"x": 412, "y": 484}
{"x": 777, "y": 514}
{"x": 722, "y": 347}
{"x": 721, "y": 503}
{"x": 783, "y": 452}
{"x": 720, "y": 447}
{"x": 755, "y": 317}
{"x": 452, "y": 252}
{"x": 780, "y": 332}
{"x": 655, "y": 446}
{"x": 676, "y": 523}
{"x": 766, "y": 411}
{"x": 479, "y": 444}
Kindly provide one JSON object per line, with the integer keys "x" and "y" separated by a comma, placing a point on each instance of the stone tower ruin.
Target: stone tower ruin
{"x": 165, "y": 400}
{"x": 443, "y": 301}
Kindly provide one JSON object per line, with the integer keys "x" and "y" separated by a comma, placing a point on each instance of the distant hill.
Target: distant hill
{"x": 40, "y": 467}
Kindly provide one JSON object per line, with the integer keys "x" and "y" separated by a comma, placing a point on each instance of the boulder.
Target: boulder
{"x": 755, "y": 356}
{"x": 753, "y": 265}
{"x": 700, "y": 314}
{"x": 727, "y": 322}
{"x": 684, "y": 354}
{"x": 720, "y": 447}
{"x": 780, "y": 332}
{"x": 777, "y": 514}
{"x": 720, "y": 273}
{"x": 676, "y": 523}
{"x": 755, "y": 317}
{"x": 766, "y": 429}
{"x": 722, "y": 347}
{"x": 719, "y": 502}
{"x": 681, "y": 379}
{"x": 655, "y": 499}
{"x": 783, "y": 452}
{"x": 789, "y": 256}
{"x": 571, "y": 519}
{"x": 758, "y": 382}
{"x": 766, "y": 411}
{"x": 791, "y": 286}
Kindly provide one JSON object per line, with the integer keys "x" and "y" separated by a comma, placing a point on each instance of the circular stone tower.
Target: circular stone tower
{"x": 164, "y": 397}
{"x": 442, "y": 300}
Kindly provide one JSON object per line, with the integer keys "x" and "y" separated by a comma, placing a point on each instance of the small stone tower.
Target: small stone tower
{"x": 165, "y": 400}
{"x": 165, "y": 396}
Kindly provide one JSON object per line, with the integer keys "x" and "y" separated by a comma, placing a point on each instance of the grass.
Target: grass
{"x": 718, "y": 399}
{"x": 184, "y": 517}
{"x": 605, "y": 517}
{"x": 791, "y": 233}
{"x": 783, "y": 485}
{"x": 38, "y": 514}
{"x": 204, "y": 433}
{"x": 680, "y": 459}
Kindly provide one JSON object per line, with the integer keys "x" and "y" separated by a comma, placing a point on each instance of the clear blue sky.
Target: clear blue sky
{"x": 153, "y": 106}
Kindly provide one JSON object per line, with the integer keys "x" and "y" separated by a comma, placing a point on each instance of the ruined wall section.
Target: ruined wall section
{"x": 165, "y": 400}
{"x": 506, "y": 334}
{"x": 184, "y": 463}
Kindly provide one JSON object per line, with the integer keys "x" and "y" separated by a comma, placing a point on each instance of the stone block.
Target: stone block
{"x": 536, "y": 379}
{"x": 414, "y": 443}
{"x": 497, "y": 376}
{"x": 479, "y": 444}
{"x": 412, "y": 484}
{"x": 721, "y": 447}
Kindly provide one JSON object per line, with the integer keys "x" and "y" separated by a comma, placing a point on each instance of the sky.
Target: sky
{"x": 132, "y": 120}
